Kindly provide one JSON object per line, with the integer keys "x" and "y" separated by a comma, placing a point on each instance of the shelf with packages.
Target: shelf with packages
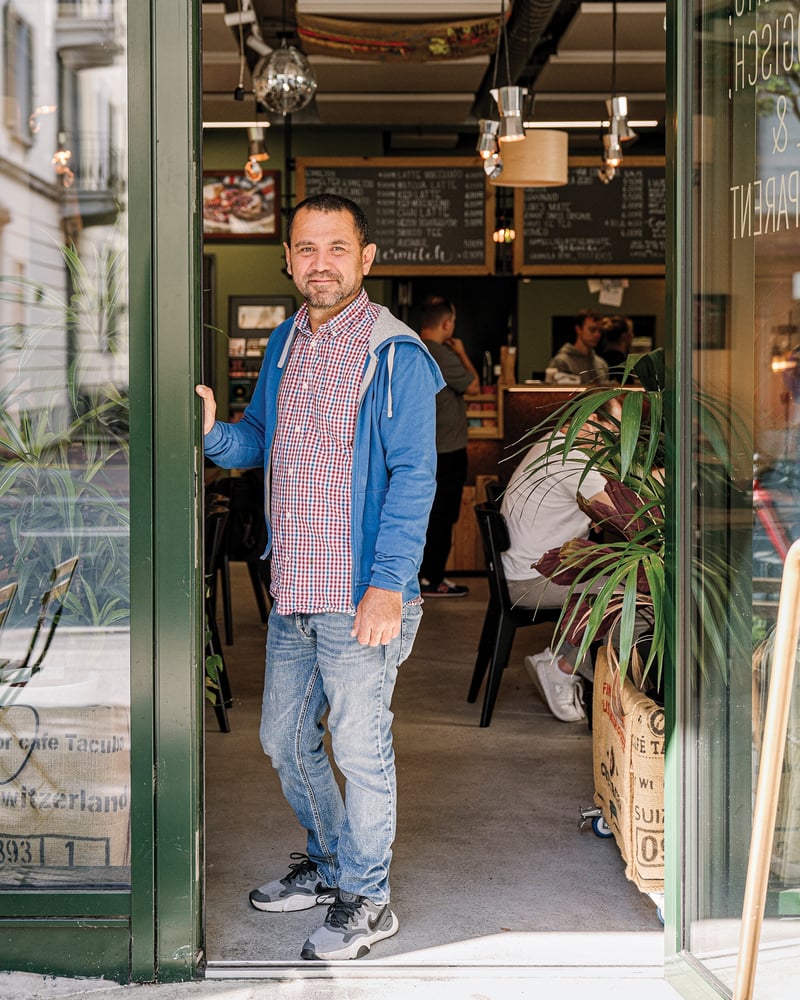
{"x": 245, "y": 355}
{"x": 485, "y": 412}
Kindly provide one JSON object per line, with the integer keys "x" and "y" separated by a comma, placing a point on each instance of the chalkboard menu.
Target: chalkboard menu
{"x": 427, "y": 215}
{"x": 588, "y": 227}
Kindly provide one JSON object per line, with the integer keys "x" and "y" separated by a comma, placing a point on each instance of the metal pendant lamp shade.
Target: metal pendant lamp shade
{"x": 487, "y": 138}
{"x": 617, "y": 108}
{"x": 509, "y": 104}
{"x": 284, "y": 81}
{"x": 540, "y": 161}
{"x": 612, "y": 150}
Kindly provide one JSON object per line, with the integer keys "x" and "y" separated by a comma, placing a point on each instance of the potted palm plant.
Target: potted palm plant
{"x": 627, "y": 549}
{"x": 617, "y": 581}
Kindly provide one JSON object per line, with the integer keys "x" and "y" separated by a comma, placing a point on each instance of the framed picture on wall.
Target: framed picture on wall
{"x": 255, "y": 316}
{"x": 236, "y": 208}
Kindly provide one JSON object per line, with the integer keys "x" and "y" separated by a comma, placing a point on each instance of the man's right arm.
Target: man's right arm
{"x": 231, "y": 446}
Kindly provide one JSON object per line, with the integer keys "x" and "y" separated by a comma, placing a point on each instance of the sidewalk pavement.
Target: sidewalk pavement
{"x": 503, "y": 983}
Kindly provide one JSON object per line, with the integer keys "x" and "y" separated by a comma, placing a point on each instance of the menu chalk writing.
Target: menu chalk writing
{"x": 426, "y": 215}
{"x": 589, "y": 227}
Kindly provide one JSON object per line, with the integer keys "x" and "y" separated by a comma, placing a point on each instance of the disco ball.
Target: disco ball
{"x": 283, "y": 81}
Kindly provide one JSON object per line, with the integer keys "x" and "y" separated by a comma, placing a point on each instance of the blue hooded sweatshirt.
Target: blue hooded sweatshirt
{"x": 394, "y": 451}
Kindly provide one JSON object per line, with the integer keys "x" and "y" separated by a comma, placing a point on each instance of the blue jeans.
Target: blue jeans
{"x": 314, "y": 666}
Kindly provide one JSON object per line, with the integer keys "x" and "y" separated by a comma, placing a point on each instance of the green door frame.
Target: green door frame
{"x": 678, "y": 314}
{"x": 154, "y": 932}
{"x": 168, "y": 688}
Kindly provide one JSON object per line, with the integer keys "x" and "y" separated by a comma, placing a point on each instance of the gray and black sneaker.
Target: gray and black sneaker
{"x": 352, "y": 925}
{"x": 301, "y": 889}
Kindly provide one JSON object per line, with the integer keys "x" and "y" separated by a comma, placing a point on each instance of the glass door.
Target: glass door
{"x": 101, "y": 680}
{"x": 65, "y": 778}
{"x": 738, "y": 445}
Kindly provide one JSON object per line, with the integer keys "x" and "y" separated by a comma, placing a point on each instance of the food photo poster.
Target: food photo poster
{"x": 237, "y": 208}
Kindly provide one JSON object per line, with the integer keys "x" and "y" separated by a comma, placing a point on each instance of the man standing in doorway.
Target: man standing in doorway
{"x": 342, "y": 421}
{"x": 437, "y": 328}
{"x": 578, "y": 363}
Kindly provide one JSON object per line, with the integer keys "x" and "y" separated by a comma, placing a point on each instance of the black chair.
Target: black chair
{"x": 245, "y": 539}
{"x": 502, "y": 619}
{"x": 51, "y": 604}
{"x": 494, "y": 492}
{"x": 216, "y": 521}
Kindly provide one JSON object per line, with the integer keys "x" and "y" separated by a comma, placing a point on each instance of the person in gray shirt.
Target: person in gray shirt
{"x": 578, "y": 363}
{"x": 437, "y": 325}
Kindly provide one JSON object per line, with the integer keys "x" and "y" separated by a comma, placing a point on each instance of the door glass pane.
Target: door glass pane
{"x": 64, "y": 497}
{"x": 746, "y": 480}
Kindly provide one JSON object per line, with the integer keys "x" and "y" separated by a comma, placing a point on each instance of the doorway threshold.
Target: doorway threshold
{"x": 374, "y": 968}
{"x": 566, "y": 954}
{"x": 393, "y": 979}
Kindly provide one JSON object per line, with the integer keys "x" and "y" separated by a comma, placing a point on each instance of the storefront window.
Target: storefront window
{"x": 64, "y": 455}
{"x": 746, "y": 485}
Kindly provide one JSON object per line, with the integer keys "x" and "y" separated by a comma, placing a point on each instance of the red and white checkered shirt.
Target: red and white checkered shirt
{"x": 312, "y": 462}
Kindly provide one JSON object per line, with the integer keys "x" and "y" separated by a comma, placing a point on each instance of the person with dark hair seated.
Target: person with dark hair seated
{"x": 541, "y": 509}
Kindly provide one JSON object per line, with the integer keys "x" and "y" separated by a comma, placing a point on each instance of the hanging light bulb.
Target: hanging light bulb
{"x": 487, "y": 139}
{"x": 612, "y": 156}
{"x": 493, "y": 166}
{"x": 284, "y": 81}
{"x": 612, "y": 150}
{"x": 257, "y": 154}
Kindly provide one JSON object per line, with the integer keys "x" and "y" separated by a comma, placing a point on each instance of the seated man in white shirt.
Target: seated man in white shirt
{"x": 541, "y": 510}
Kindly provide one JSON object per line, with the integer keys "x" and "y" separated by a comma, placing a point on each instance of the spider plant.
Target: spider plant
{"x": 64, "y": 443}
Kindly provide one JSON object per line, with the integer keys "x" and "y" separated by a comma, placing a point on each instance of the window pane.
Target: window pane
{"x": 64, "y": 496}
{"x": 746, "y": 365}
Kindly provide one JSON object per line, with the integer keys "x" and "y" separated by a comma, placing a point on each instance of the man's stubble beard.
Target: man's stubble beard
{"x": 331, "y": 298}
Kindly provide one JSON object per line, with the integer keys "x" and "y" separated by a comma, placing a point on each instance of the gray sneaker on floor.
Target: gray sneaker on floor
{"x": 301, "y": 889}
{"x": 352, "y": 926}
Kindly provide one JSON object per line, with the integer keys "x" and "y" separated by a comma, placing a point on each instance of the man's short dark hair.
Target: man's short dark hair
{"x": 434, "y": 309}
{"x": 584, "y": 314}
{"x": 327, "y": 202}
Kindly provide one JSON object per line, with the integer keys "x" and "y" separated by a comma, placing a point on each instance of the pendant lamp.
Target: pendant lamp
{"x": 540, "y": 161}
{"x": 619, "y": 130}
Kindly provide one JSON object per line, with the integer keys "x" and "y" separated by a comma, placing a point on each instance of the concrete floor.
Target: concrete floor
{"x": 499, "y": 894}
{"x": 490, "y": 867}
